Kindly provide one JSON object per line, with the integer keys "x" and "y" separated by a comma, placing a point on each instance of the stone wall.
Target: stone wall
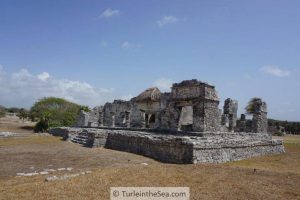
{"x": 178, "y": 148}
{"x": 191, "y": 105}
{"x": 82, "y": 119}
{"x": 116, "y": 114}
{"x": 91, "y": 119}
{"x": 204, "y": 101}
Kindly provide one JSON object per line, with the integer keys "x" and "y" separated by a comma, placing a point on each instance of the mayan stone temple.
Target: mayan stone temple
{"x": 183, "y": 126}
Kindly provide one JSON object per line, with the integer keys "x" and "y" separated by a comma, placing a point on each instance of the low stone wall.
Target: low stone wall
{"x": 177, "y": 148}
{"x": 226, "y": 154}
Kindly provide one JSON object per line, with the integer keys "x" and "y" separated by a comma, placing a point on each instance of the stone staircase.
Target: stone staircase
{"x": 82, "y": 139}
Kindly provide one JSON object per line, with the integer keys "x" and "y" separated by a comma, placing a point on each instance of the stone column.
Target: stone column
{"x": 242, "y": 123}
{"x": 260, "y": 119}
{"x": 230, "y": 109}
{"x": 101, "y": 117}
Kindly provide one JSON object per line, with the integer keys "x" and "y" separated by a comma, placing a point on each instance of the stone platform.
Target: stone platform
{"x": 176, "y": 147}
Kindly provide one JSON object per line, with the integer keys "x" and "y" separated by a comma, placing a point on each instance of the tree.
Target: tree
{"x": 2, "y": 111}
{"x": 13, "y": 110}
{"x": 23, "y": 114}
{"x": 54, "y": 112}
{"x": 251, "y": 107}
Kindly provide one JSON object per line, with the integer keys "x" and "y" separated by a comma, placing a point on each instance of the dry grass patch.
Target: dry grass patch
{"x": 205, "y": 181}
{"x": 288, "y": 162}
{"x": 29, "y": 139}
{"x": 14, "y": 124}
{"x": 278, "y": 176}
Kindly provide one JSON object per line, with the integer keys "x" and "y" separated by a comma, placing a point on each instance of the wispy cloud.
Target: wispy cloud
{"x": 23, "y": 88}
{"x": 167, "y": 20}
{"x": 108, "y": 13}
{"x": 275, "y": 71}
{"x": 127, "y": 45}
{"x": 163, "y": 84}
{"x": 43, "y": 76}
{"x": 127, "y": 97}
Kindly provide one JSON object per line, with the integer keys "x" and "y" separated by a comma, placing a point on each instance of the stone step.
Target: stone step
{"x": 78, "y": 140}
{"x": 82, "y": 136}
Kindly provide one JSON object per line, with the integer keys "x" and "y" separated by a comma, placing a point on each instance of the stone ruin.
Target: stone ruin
{"x": 183, "y": 126}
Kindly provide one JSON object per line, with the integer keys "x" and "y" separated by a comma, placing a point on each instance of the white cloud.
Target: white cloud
{"x": 109, "y": 13}
{"x": 22, "y": 89}
{"x": 275, "y": 71}
{"x": 163, "y": 84}
{"x": 127, "y": 45}
{"x": 103, "y": 44}
{"x": 167, "y": 20}
{"x": 43, "y": 76}
{"x": 127, "y": 97}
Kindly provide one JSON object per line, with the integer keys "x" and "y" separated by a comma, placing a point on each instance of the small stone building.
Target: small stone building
{"x": 191, "y": 106}
{"x": 183, "y": 126}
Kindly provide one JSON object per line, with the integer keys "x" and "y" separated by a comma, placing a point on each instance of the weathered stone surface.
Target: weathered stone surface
{"x": 91, "y": 119}
{"x": 153, "y": 109}
{"x": 116, "y": 114}
{"x": 260, "y": 120}
{"x": 183, "y": 126}
{"x": 179, "y": 147}
{"x": 230, "y": 114}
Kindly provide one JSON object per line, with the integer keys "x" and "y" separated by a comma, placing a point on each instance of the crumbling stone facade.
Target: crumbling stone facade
{"x": 195, "y": 100}
{"x": 260, "y": 120}
{"x": 90, "y": 119}
{"x": 229, "y": 117}
{"x": 183, "y": 126}
{"x": 191, "y": 106}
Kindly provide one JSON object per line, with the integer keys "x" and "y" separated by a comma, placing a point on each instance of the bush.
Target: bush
{"x": 54, "y": 112}
{"x": 278, "y": 133}
{"x": 41, "y": 126}
{"x": 2, "y": 111}
{"x": 23, "y": 114}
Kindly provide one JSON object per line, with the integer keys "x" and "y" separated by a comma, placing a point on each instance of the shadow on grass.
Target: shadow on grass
{"x": 28, "y": 128}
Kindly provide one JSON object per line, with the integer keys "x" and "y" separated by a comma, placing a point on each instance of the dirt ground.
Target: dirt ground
{"x": 276, "y": 177}
{"x": 14, "y": 124}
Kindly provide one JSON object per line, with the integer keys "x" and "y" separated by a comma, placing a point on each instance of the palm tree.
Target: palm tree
{"x": 252, "y": 105}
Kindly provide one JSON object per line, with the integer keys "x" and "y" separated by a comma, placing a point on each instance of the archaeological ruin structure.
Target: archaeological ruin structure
{"x": 183, "y": 126}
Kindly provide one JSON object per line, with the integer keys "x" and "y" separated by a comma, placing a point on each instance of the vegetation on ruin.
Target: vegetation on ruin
{"x": 250, "y": 108}
{"x": 54, "y": 112}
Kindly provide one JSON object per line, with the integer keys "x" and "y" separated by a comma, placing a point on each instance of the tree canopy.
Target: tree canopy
{"x": 251, "y": 106}
{"x": 54, "y": 112}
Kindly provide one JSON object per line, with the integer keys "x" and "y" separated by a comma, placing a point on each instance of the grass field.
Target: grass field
{"x": 277, "y": 176}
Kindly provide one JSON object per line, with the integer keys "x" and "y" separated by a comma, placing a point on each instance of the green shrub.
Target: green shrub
{"x": 278, "y": 133}
{"x": 54, "y": 112}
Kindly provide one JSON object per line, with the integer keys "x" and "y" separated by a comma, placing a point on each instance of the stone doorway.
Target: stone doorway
{"x": 186, "y": 119}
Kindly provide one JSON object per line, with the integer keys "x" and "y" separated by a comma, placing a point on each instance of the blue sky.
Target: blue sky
{"x": 91, "y": 52}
